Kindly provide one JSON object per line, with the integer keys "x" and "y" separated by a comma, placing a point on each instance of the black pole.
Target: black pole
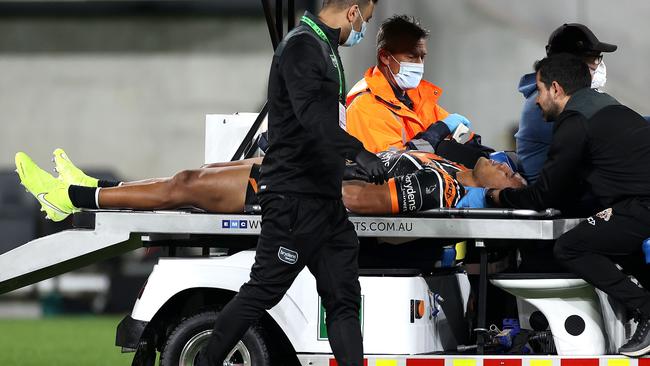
{"x": 276, "y": 33}
{"x": 291, "y": 14}
{"x": 481, "y": 330}
{"x": 248, "y": 140}
{"x": 270, "y": 23}
{"x": 275, "y": 39}
{"x": 279, "y": 18}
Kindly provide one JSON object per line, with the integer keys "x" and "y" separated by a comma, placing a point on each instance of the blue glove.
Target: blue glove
{"x": 474, "y": 198}
{"x": 646, "y": 250}
{"x": 454, "y": 120}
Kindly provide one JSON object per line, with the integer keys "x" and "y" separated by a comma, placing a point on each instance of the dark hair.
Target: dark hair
{"x": 400, "y": 33}
{"x": 568, "y": 70}
{"x": 344, "y": 4}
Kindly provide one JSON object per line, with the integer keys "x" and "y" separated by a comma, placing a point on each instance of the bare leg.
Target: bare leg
{"x": 212, "y": 189}
{"x": 246, "y": 162}
{"x": 145, "y": 181}
{"x": 365, "y": 198}
{"x": 250, "y": 161}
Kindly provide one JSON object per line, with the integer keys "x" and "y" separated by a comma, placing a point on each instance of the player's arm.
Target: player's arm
{"x": 417, "y": 191}
{"x": 367, "y": 199}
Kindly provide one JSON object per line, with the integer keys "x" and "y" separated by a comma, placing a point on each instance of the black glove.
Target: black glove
{"x": 373, "y": 166}
{"x": 355, "y": 172}
{"x": 434, "y": 134}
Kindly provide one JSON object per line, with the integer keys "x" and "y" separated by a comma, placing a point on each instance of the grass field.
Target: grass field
{"x": 61, "y": 341}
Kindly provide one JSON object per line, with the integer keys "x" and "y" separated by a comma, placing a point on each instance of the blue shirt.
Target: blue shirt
{"x": 534, "y": 135}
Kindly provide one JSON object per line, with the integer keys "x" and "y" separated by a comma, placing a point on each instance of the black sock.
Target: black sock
{"x": 107, "y": 183}
{"x": 82, "y": 197}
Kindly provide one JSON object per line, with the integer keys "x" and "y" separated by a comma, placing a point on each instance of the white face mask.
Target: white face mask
{"x": 356, "y": 37}
{"x": 410, "y": 74}
{"x": 599, "y": 78}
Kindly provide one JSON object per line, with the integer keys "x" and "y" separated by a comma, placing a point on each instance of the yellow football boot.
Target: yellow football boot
{"x": 50, "y": 192}
{"x": 69, "y": 173}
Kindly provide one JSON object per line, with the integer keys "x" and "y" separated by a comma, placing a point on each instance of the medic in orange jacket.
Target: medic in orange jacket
{"x": 392, "y": 107}
{"x": 380, "y": 121}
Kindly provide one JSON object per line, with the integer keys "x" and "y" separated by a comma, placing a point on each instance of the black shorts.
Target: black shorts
{"x": 251, "y": 203}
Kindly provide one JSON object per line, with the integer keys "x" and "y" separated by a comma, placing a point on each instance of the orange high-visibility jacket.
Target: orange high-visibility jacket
{"x": 380, "y": 121}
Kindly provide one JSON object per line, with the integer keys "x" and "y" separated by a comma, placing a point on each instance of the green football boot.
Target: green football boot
{"x": 69, "y": 173}
{"x": 50, "y": 192}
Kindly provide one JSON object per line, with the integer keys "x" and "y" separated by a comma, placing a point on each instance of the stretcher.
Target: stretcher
{"x": 102, "y": 234}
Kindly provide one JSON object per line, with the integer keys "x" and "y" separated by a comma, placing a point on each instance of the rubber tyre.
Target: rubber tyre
{"x": 196, "y": 324}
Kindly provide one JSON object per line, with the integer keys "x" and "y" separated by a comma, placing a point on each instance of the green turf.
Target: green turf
{"x": 64, "y": 341}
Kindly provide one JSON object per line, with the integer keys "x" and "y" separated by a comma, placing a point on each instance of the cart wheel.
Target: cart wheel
{"x": 192, "y": 334}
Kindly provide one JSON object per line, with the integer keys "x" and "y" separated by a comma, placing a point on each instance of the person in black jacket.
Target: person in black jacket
{"x": 304, "y": 221}
{"x": 603, "y": 145}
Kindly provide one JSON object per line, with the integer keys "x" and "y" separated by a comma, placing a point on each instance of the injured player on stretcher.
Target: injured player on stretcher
{"x": 418, "y": 181}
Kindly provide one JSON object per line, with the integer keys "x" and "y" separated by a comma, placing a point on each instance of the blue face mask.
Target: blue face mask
{"x": 355, "y": 37}
{"x": 410, "y": 74}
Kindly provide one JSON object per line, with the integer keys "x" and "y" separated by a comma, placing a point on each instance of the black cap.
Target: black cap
{"x": 577, "y": 39}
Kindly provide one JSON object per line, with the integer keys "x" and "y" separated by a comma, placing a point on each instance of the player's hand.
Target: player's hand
{"x": 454, "y": 120}
{"x": 474, "y": 198}
{"x": 355, "y": 172}
{"x": 373, "y": 166}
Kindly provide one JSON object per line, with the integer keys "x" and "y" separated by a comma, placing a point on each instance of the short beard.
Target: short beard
{"x": 551, "y": 114}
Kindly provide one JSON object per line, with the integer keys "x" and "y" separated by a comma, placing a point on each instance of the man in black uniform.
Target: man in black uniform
{"x": 600, "y": 144}
{"x": 304, "y": 222}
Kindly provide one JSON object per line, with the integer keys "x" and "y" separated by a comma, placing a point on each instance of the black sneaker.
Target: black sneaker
{"x": 639, "y": 344}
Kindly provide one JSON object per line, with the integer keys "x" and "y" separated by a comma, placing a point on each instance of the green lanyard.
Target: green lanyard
{"x": 322, "y": 35}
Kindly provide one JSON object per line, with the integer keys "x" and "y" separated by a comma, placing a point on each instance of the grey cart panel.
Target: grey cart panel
{"x": 118, "y": 232}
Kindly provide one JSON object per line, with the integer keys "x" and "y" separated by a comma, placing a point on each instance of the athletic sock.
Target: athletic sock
{"x": 107, "y": 183}
{"x": 82, "y": 197}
